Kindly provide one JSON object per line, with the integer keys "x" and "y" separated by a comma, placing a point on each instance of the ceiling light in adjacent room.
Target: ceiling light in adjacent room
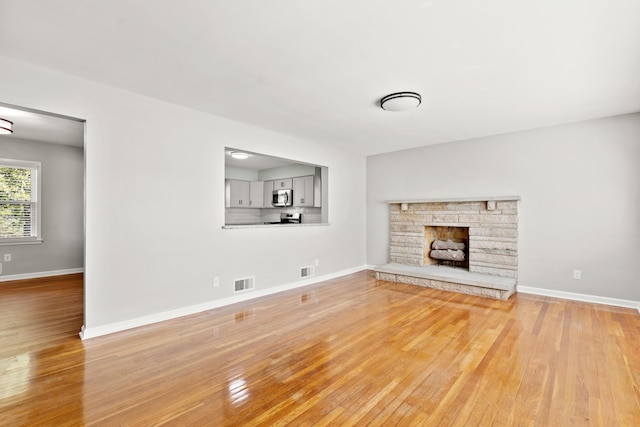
{"x": 400, "y": 101}
{"x": 6, "y": 127}
{"x": 239, "y": 155}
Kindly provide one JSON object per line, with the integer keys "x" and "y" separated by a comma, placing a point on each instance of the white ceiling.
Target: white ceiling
{"x": 256, "y": 161}
{"x": 38, "y": 126}
{"x": 317, "y": 69}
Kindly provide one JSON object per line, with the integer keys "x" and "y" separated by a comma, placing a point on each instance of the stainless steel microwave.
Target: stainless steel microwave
{"x": 282, "y": 198}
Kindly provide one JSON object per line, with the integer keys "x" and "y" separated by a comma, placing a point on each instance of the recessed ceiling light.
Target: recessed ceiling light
{"x": 239, "y": 155}
{"x": 6, "y": 127}
{"x": 400, "y": 101}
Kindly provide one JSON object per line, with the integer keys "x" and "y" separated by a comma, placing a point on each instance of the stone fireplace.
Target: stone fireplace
{"x": 486, "y": 228}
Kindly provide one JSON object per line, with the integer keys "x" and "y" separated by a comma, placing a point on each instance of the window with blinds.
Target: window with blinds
{"x": 19, "y": 202}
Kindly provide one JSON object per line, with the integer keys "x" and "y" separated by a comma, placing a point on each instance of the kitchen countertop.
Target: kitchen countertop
{"x": 262, "y": 225}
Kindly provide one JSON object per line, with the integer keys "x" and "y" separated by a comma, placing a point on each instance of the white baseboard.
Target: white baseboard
{"x": 580, "y": 297}
{"x": 110, "y": 328}
{"x": 40, "y": 274}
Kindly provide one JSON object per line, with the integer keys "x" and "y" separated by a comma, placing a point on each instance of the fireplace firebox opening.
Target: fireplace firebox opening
{"x": 447, "y": 245}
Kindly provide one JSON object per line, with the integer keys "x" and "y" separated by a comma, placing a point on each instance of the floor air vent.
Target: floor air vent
{"x": 306, "y": 272}
{"x": 243, "y": 284}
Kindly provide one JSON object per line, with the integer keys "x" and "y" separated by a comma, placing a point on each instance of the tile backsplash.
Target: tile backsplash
{"x": 239, "y": 216}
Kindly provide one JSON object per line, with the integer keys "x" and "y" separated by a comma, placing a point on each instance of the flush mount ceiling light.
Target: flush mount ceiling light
{"x": 6, "y": 127}
{"x": 239, "y": 155}
{"x": 400, "y": 101}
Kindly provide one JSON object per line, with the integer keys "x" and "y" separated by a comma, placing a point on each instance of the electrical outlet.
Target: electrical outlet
{"x": 0, "y": 268}
{"x": 577, "y": 274}
{"x": 7, "y": 257}
{"x": 317, "y": 262}
{"x": 216, "y": 281}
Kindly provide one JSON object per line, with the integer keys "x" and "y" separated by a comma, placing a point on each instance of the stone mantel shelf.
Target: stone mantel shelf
{"x": 455, "y": 199}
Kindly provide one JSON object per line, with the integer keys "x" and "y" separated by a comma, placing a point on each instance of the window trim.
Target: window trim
{"x": 36, "y": 168}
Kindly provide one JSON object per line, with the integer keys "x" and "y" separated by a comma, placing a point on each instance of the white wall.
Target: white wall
{"x": 62, "y": 199}
{"x": 580, "y": 189}
{"x": 155, "y": 200}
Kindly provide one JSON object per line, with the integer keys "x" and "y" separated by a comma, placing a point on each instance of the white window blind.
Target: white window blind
{"x": 19, "y": 202}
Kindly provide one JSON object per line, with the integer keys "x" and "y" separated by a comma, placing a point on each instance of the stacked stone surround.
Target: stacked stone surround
{"x": 493, "y": 242}
{"x": 493, "y": 232}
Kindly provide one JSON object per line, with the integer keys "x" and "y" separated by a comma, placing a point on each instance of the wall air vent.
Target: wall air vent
{"x": 244, "y": 284}
{"x": 306, "y": 272}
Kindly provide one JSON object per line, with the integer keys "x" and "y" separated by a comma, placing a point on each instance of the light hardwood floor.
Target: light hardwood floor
{"x": 350, "y": 351}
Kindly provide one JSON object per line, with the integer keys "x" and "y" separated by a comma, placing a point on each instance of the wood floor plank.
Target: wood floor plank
{"x": 349, "y": 351}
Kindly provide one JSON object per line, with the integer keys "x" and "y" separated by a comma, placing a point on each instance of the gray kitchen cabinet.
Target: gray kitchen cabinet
{"x": 280, "y": 184}
{"x": 268, "y": 194}
{"x": 303, "y": 191}
{"x": 237, "y": 193}
{"x": 256, "y": 194}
